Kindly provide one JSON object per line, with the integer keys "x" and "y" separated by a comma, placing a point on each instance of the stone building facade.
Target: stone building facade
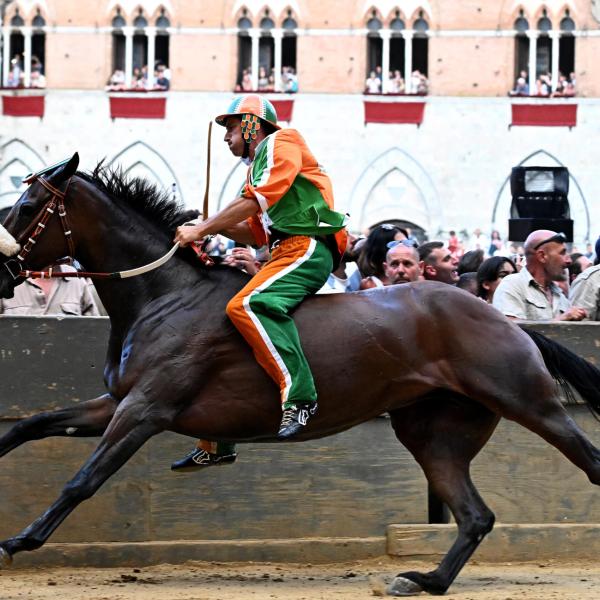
{"x": 448, "y": 173}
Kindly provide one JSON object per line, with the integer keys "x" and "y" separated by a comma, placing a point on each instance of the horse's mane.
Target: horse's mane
{"x": 140, "y": 194}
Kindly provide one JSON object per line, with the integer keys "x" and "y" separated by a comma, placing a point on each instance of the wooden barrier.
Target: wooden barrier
{"x": 351, "y": 485}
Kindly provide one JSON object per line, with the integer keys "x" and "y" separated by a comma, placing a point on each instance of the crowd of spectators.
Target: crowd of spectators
{"x": 139, "y": 79}
{"x": 565, "y": 86}
{"x": 16, "y": 75}
{"x": 395, "y": 84}
{"x": 266, "y": 81}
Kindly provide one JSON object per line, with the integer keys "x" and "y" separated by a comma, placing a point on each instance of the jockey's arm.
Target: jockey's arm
{"x": 229, "y": 222}
{"x": 240, "y": 233}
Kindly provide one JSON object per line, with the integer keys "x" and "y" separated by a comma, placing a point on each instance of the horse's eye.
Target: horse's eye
{"x": 26, "y": 210}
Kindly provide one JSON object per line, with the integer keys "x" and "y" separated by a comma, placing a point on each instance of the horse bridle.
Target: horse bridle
{"x": 15, "y": 266}
{"x": 38, "y": 226}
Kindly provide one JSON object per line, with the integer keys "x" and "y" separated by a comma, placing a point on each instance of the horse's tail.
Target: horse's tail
{"x": 570, "y": 370}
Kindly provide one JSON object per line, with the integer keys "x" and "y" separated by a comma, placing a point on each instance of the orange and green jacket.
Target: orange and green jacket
{"x": 293, "y": 192}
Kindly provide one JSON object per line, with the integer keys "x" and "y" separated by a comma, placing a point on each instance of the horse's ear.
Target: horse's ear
{"x": 65, "y": 171}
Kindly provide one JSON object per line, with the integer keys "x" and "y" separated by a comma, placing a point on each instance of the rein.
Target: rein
{"x": 15, "y": 266}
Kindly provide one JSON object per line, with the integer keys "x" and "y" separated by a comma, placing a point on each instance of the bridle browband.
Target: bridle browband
{"x": 15, "y": 266}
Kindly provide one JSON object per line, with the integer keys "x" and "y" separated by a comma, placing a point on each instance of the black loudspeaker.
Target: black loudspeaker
{"x": 539, "y": 201}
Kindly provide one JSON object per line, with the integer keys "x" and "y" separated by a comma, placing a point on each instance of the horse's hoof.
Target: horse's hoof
{"x": 401, "y": 586}
{"x": 5, "y": 558}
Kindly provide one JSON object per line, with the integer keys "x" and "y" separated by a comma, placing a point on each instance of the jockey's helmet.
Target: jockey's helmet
{"x": 253, "y": 109}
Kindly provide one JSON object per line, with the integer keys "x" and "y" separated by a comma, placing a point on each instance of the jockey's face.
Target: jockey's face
{"x": 233, "y": 135}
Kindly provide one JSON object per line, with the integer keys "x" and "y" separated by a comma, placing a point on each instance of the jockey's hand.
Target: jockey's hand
{"x": 186, "y": 234}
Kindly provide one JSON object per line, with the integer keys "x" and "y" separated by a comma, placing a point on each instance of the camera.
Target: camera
{"x": 539, "y": 201}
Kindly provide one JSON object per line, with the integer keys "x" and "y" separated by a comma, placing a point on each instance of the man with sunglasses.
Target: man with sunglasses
{"x": 532, "y": 293}
{"x": 402, "y": 263}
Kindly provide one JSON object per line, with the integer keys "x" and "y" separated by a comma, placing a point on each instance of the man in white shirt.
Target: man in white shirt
{"x": 532, "y": 294}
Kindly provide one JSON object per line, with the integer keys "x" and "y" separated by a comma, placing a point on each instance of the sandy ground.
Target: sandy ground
{"x": 347, "y": 581}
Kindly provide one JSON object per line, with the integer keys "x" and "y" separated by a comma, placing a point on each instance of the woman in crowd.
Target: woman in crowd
{"x": 490, "y": 274}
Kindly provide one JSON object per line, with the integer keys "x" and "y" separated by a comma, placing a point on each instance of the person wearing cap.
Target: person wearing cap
{"x": 287, "y": 203}
{"x": 532, "y": 293}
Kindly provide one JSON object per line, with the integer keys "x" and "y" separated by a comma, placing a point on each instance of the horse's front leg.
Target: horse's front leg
{"x": 131, "y": 426}
{"x": 88, "y": 419}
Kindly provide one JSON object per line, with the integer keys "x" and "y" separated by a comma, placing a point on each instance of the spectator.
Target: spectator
{"x": 470, "y": 261}
{"x": 438, "y": 263}
{"x": 60, "y": 296}
{"x": 37, "y": 80}
{"x": 374, "y": 250}
{"x": 418, "y": 83}
{"x": 423, "y": 85}
{"x": 533, "y": 293}
{"x": 116, "y": 81}
{"x": 491, "y": 272}
{"x": 561, "y": 86}
{"x": 521, "y": 87}
{"x": 161, "y": 80}
{"x": 478, "y": 241}
{"x": 569, "y": 89}
{"x": 397, "y": 83}
{"x": 137, "y": 79}
{"x": 243, "y": 258}
{"x": 263, "y": 79}
{"x": 589, "y": 251}
{"x": 543, "y": 85}
{"x": 579, "y": 263}
{"x": 496, "y": 243}
{"x": 468, "y": 282}
{"x": 454, "y": 244}
{"x": 15, "y": 75}
{"x": 585, "y": 290}
{"x": 402, "y": 264}
{"x": 289, "y": 80}
{"x": 341, "y": 280}
{"x": 373, "y": 84}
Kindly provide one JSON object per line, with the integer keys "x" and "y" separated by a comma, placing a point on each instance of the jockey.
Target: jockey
{"x": 287, "y": 203}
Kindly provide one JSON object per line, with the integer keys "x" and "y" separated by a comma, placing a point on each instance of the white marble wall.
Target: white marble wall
{"x": 447, "y": 174}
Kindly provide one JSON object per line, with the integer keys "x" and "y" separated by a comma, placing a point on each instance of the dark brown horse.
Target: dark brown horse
{"x": 443, "y": 364}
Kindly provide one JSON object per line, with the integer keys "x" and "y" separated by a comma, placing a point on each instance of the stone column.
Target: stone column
{"x": 128, "y": 33}
{"x": 555, "y": 36}
{"x": 255, "y": 36}
{"x": 533, "y": 36}
{"x": 277, "y": 38}
{"x": 408, "y": 38}
{"x": 6, "y": 56}
{"x": 26, "y": 31}
{"x": 385, "y": 60}
{"x": 151, "y": 36}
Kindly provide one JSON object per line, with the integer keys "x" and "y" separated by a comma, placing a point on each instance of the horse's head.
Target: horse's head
{"x": 34, "y": 235}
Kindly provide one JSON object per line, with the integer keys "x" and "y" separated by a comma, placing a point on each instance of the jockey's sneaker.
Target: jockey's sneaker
{"x": 294, "y": 419}
{"x": 199, "y": 458}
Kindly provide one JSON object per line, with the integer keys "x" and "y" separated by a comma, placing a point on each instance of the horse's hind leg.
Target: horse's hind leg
{"x": 444, "y": 434}
{"x": 88, "y": 419}
{"x": 133, "y": 423}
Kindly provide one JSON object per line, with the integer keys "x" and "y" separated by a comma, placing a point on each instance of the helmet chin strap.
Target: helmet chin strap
{"x": 246, "y": 151}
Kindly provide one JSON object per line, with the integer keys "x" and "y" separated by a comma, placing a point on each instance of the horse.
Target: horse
{"x": 445, "y": 366}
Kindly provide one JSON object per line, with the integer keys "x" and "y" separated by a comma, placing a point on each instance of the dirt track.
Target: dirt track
{"x": 346, "y": 581}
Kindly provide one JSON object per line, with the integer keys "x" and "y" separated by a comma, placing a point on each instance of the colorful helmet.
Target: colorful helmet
{"x": 252, "y": 108}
